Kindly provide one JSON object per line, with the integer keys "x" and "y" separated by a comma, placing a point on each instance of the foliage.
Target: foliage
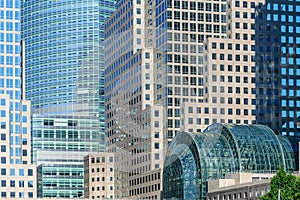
{"x": 288, "y": 184}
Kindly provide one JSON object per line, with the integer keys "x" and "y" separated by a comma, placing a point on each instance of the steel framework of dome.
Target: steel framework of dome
{"x": 194, "y": 158}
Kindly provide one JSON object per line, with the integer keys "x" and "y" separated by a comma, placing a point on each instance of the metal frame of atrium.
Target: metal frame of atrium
{"x": 194, "y": 158}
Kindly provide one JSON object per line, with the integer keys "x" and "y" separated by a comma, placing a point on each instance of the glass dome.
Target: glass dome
{"x": 194, "y": 158}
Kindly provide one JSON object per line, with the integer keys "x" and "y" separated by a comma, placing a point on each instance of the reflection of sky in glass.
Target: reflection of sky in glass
{"x": 194, "y": 158}
{"x": 290, "y": 59}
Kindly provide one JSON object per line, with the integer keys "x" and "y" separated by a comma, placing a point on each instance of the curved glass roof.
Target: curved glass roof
{"x": 258, "y": 148}
{"x": 194, "y": 158}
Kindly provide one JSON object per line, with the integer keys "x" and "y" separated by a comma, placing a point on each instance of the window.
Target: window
{"x": 12, "y": 172}
{"x": 3, "y": 113}
{"x": 156, "y": 156}
{"x": 206, "y": 110}
{"x": 156, "y": 113}
{"x": 21, "y": 194}
{"x": 30, "y": 184}
{"x": 12, "y": 194}
{"x": 193, "y": 5}
{"x": 12, "y": 183}
{"x": 147, "y": 76}
{"x": 200, "y": 17}
{"x": 200, "y": 6}
{"x": 3, "y": 148}
{"x": 147, "y": 65}
{"x": 3, "y": 183}
{"x": 9, "y": 26}
{"x": 147, "y": 55}
{"x": 21, "y": 172}
{"x": 208, "y": 7}
{"x": 30, "y": 194}
{"x": 30, "y": 172}
{"x": 3, "y": 194}
{"x": 156, "y": 145}
{"x": 206, "y": 121}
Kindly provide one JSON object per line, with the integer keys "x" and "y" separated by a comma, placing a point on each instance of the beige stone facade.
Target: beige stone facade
{"x": 17, "y": 175}
{"x": 239, "y": 186}
{"x": 135, "y": 88}
{"x": 99, "y": 176}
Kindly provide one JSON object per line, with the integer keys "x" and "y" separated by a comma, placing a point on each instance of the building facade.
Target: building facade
{"x": 64, "y": 75}
{"x": 246, "y": 73}
{"x": 186, "y": 25}
{"x": 239, "y": 186}
{"x": 18, "y": 175}
{"x": 99, "y": 176}
{"x": 210, "y": 72}
{"x": 229, "y": 73}
{"x": 135, "y": 116}
{"x": 157, "y": 61}
{"x": 277, "y": 59}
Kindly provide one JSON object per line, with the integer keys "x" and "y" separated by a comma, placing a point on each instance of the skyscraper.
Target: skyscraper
{"x": 154, "y": 68}
{"x": 134, "y": 75}
{"x": 17, "y": 175}
{"x": 208, "y": 74}
{"x": 278, "y": 61}
{"x": 64, "y": 55}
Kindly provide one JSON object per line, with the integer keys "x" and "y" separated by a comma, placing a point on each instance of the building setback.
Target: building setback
{"x": 64, "y": 58}
{"x": 192, "y": 63}
{"x": 134, "y": 75}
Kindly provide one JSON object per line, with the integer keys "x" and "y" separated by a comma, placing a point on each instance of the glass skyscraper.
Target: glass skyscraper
{"x": 64, "y": 58}
{"x": 278, "y": 61}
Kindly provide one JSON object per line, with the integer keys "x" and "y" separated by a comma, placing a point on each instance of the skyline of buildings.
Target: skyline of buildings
{"x": 191, "y": 63}
{"x": 128, "y": 76}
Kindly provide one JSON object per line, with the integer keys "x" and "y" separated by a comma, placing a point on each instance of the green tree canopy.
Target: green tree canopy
{"x": 288, "y": 184}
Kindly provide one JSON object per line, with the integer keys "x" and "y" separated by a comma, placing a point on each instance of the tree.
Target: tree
{"x": 288, "y": 184}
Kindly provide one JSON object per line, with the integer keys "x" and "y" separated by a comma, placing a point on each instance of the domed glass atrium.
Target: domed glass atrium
{"x": 194, "y": 158}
